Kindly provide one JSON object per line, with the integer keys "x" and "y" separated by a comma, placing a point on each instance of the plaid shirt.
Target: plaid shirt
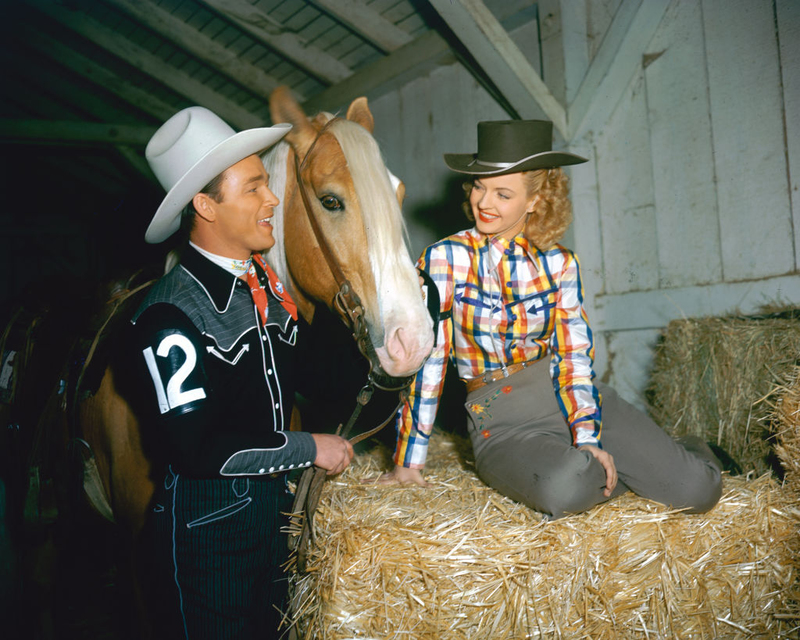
{"x": 504, "y": 302}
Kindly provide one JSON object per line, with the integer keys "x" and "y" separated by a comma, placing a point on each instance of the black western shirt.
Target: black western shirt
{"x": 217, "y": 386}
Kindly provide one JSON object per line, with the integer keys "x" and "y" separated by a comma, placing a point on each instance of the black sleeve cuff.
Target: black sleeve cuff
{"x": 298, "y": 451}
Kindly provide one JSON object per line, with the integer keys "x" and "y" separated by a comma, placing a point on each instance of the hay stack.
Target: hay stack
{"x": 786, "y": 425}
{"x": 711, "y": 376}
{"x": 457, "y": 560}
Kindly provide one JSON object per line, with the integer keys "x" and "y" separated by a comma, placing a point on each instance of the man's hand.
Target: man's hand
{"x": 400, "y": 475}
{"x": 334, "y": 453}
{"x": 607, "y": 460}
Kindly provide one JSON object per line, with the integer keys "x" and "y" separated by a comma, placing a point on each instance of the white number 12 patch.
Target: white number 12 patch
{"x": 172, "y": 396}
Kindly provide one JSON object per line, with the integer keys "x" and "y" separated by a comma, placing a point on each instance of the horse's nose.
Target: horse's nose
{"x": 406, "y": 352}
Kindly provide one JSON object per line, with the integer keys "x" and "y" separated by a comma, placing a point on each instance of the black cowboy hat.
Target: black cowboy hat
{"x": 510, "y": 146}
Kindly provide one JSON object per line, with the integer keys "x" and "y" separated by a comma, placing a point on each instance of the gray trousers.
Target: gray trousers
{"x": 523, "y": 449}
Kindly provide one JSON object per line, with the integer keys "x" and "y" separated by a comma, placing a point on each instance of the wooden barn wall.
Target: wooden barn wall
{"x": 689, "y": 206}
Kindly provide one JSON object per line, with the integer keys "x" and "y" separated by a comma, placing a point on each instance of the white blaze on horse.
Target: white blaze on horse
{"x": 357, "y": 208}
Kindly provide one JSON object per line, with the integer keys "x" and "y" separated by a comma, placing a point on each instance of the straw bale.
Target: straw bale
{"x": 711, "y": 377}
{"x": 457, "y": 560}
{"x": 785, "y": 419}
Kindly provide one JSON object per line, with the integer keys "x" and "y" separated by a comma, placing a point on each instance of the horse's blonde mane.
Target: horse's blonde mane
{"x": 275, "y": 161}
{"x": 383, "y": 223}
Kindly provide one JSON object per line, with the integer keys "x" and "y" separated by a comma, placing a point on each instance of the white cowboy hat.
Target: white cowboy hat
{"x": 191, "y": 149}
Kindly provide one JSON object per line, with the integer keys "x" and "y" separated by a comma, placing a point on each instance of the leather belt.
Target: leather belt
{"x": 494, "y": 376}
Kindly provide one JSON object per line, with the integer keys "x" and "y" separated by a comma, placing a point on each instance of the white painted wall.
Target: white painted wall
{"x": 690, "y": 204}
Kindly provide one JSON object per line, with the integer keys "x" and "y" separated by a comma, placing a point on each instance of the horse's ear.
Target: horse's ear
{"x": 284, "y": 108}
{"x": 401, "y": 193}
{"x": 359, "y": 112}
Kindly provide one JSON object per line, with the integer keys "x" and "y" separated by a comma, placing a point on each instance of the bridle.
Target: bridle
{"x": 346, "y": 299}
{"x": 309, "y": 487}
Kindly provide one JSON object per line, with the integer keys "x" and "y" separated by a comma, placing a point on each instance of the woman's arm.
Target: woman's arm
{"x": 572, "y": 348}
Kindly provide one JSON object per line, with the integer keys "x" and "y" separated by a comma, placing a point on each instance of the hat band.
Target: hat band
{"x": 499, "y": 165}
{"x": 506, "y": 165}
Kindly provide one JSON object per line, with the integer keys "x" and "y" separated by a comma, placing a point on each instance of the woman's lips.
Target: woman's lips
{"x": 487, "y": 217}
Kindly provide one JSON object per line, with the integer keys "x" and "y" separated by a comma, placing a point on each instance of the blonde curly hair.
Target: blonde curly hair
{"x": 552, "y": 213}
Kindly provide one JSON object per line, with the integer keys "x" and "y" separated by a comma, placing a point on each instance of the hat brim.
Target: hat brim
{"x": 227, "y": 153}
{"x": 468, "y": 163}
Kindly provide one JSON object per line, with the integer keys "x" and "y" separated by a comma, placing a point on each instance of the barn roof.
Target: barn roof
{"x": 88, "y": 81}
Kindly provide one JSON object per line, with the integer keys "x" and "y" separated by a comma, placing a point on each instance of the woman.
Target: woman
{"x": 512, "y": 320}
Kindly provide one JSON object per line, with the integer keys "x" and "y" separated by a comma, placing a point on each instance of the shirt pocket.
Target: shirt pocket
{"x": 233, "y": 354}
{"x": 537, "y": 309}
{"x": 474, "y": 306}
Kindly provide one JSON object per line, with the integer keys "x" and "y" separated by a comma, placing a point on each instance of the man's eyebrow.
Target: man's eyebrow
{"x": 257, "y": 178}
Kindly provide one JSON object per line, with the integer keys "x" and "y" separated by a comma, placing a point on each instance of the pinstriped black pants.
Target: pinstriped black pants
{"x": 216, "y": 551}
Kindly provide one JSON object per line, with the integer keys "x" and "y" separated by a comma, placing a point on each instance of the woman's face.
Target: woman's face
{"x": 500, "y": 204}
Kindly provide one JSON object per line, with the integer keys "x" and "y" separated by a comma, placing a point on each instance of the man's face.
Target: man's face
{"x": 241, "y": 222}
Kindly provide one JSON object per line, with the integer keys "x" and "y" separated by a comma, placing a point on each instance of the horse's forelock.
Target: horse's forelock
{"x": 380, "y": 210}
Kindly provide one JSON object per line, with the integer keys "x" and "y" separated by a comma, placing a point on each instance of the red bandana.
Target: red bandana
{"x": 257, "y": 288}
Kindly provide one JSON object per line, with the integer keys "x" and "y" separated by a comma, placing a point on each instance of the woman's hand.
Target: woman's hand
{"x": 607, "y": 460}
{"x": 400, "y": 475}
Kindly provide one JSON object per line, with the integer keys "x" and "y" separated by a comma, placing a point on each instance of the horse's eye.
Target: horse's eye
{"x": 331, "y": 203}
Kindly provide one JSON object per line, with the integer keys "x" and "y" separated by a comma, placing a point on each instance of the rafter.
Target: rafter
{"x": 90, "y": 70}
{"x": 150, "y": 64}
{"x": 305, "y": 55}
{"x": 366, "y": 22}
{"x": 72, "y": 132}
{"x": 422, "y": 51}
{"x": 199, "y": 45}
{"x": 489, "y": 43}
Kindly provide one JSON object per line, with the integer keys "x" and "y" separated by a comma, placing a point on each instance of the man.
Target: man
{"x": 215, "y": 348}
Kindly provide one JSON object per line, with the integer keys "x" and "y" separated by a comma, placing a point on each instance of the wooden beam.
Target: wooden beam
{"x": 617, "y": 59}
{"x": 305, "y": 55}
{"x": 654, "y": 309}
{"x": 95, "y": 73}
{"x": 366, "y": 22}
{"x": 150, "y": 64}
{"x": 71, "y": 133}
{"x": 385, "y": 71}
{"x": 489, "y": 43}
{"x": 199, "y": 45}
{"x": 137, "y": 162}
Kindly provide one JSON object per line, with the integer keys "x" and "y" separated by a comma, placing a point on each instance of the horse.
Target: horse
{"x": 339, "y": 245}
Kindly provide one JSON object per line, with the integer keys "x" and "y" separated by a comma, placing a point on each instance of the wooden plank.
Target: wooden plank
{"x": 392, "y": 71}
{"x": 553, "y": 47}
{"x": 788, "y": 12}
{"x": 366, "y": 22}
{"x": 137, "y": 162}
{"x": 631, "y": 358}
{"x": 304, "y": 54}
{"x": 200, "y": 46}
{"x": 97, "y": 74}
{"x": 415, "y": 110}
{"x": 599, "y": 16}
{"x": 628, "y": 219}
{"x": 142, "y": 59}
{"x": 70, "y": 132}
{"x": 749, "y": 145}
{"x": 489, "y": 43}
{"x": 653, "y": 309}
{"x": 616, "y": 62}
{"x": 575, "y": 45}
{"x": 682, "y": 151}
